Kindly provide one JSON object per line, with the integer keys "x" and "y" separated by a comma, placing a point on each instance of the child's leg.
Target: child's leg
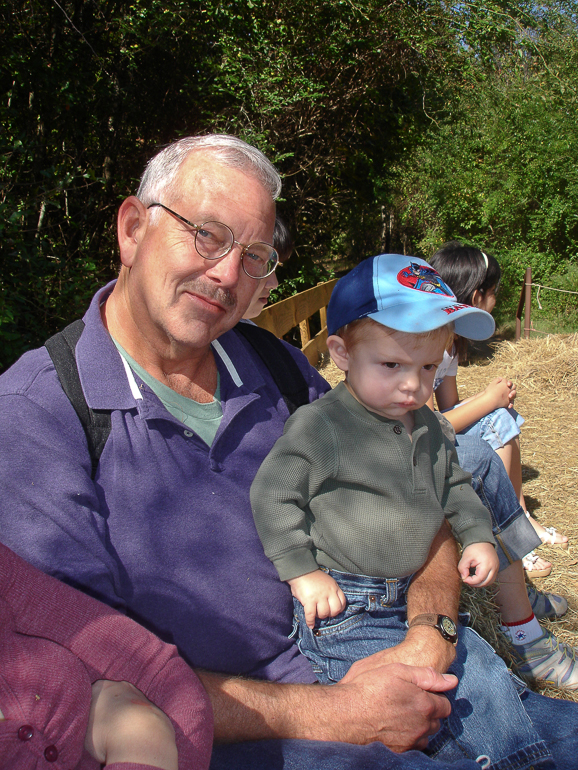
{"x": 124, "y": 726}
{"x": 374, "y": 620}
{"x": 500, "y": 429}
{"x": 511, "y": 457}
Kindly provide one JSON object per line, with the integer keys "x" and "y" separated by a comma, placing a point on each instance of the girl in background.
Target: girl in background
{"x": 474, "y": 277}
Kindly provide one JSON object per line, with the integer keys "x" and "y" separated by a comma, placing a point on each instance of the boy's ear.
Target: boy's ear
{"x": 131, "y": 224}
{"x": 338, "y": 352}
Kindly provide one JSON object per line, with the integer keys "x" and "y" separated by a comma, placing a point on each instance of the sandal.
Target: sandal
{"x": 530, "y": 565}
{"x": 548, "y": 534}
{"x": 548, "y": 537}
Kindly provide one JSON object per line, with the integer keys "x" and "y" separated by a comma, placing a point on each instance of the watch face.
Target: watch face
{"x": 448, "y": 625}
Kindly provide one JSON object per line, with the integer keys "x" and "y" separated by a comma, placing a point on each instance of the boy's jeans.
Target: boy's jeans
{"x": 374, "y": 620}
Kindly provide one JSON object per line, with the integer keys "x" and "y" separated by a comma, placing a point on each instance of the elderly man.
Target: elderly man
{"x": 162, "y": 528}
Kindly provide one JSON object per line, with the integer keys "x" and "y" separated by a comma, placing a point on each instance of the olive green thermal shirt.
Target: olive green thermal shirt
{"x": 348, "y": 489}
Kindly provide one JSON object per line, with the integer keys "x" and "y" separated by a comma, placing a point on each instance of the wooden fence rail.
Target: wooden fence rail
{"x": 296, "y": 311}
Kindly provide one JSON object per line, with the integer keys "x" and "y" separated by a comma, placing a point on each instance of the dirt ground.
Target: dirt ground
{"x": 545, "y": 371}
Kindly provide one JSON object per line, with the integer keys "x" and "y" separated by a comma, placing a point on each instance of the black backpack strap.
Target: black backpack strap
{"x": 280, "y": 363}
{"x": 96, "y": 423}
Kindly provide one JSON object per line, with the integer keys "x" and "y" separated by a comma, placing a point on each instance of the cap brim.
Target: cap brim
{"x": 416, "y": 318}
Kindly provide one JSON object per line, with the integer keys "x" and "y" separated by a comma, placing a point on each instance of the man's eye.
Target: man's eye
{"x": 258, "y": 259}
{"x": 207, "y": 236}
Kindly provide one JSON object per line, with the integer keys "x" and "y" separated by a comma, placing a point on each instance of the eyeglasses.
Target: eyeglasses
{"x": 214, "y": 240}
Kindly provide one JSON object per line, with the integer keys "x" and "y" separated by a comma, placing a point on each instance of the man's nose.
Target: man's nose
{"x": 227, "y": 269}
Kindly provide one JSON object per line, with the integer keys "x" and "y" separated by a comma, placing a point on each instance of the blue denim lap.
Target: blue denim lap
{"x": 497, "y": 427}
{"x": 375, "y": 620}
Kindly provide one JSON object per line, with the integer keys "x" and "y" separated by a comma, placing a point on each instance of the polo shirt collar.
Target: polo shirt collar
{"x": 104, "y": 379}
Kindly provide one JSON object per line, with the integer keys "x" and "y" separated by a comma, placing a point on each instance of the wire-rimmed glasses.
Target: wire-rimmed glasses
{"x": 214, "y": 240}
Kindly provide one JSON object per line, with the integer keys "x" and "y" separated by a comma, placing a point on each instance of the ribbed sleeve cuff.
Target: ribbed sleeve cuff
{"x": 294, "y": 563}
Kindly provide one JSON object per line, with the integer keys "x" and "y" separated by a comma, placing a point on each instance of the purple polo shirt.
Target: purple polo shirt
{"x": 165, "y": 532}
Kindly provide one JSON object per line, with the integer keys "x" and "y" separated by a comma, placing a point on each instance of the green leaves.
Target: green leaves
{"x": 395, "y": 126}
{"x": 499, "y": 169}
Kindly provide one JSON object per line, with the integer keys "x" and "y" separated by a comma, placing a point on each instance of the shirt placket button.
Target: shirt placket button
{"x": 25, "y": 733}
{"x": 51, "y": 753}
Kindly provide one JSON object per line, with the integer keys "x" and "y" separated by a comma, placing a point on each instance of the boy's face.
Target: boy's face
{"x": 392, "y": 373}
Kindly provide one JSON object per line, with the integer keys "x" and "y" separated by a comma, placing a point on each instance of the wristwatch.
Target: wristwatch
{"x": 444, "y": 625}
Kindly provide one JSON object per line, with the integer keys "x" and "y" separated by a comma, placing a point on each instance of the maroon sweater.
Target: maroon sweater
{"x": 54, "y": 643}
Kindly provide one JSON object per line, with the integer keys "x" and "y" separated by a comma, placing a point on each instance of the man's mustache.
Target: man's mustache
{"x": 224, "y": 297}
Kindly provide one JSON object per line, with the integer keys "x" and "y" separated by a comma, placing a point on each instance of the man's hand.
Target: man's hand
{"x": 483, "y": 560}
{"x": 396, "y": 704}
{"x": 319, "y": 594}
{"x": 423, "y": 646}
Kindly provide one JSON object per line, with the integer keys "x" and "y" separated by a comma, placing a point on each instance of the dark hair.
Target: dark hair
{"x": 283, "y": 242}
{"x": 466, "y": 269}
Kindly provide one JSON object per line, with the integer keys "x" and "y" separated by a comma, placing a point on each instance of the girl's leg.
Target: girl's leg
{"x": 512, "y": 459}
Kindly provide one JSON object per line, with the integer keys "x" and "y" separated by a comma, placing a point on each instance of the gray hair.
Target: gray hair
{"x": 161, "y": 171}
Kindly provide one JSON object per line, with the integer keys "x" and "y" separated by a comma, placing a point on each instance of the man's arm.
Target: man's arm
{"x": 394, "y": 704}
{"x": 435, "y": 588}
{"x": 50, "y": 511}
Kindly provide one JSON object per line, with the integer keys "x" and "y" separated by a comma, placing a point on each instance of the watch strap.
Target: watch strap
{"x": 438, "y": 622}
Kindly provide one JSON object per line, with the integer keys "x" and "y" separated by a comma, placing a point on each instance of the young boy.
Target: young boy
{"x": 350, "y": 498}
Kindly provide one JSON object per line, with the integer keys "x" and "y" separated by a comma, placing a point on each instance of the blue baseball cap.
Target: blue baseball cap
{"x": 405, "y": 294}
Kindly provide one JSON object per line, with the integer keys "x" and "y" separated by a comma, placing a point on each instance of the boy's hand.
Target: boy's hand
{"x": 319, "y": 594}
{"x": 482, "y": 560}
{"x": 501, "y": 393}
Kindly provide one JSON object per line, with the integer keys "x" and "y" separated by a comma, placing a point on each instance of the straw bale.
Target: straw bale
{"x": 545, "y": 371}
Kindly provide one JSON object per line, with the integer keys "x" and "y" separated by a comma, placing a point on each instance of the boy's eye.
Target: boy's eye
{"x": 429, "y": 367}
{"x": 390, "y": 364}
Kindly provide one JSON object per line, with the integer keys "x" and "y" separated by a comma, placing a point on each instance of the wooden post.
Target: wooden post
{"x": 528, "y": 303}
{"x": 525, "y": 304}
{"x": 304, "y": 332}
{"x": 323, "y": 317}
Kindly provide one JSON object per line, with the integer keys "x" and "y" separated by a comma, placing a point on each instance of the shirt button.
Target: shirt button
{"x": 51, "y": 753}
{"x": 25, "y": 732}
{"x": 397, "y": 429}
{"x": 188, "y": 433}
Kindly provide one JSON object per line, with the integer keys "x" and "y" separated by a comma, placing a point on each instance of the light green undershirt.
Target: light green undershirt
{"x": 203, "y": 419}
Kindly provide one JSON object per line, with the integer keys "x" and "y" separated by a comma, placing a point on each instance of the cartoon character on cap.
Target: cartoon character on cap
{"x": 423, "y": 278}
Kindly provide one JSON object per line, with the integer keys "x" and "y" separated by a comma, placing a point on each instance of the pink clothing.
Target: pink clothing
{"x": 54, "y": 643}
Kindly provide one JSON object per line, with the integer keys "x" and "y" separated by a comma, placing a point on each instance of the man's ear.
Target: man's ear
{"x": 338, "y": 352}
{"x": 131, "y": 225}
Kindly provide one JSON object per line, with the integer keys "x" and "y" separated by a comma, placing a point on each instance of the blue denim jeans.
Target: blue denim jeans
{"x": 514, "y": 534}
{"x": 375, "y": 619}
{"x": 496, "y": 428}
{"x": 555, "y": 720}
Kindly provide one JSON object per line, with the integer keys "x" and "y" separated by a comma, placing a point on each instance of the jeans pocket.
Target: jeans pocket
{"x": 351, "y": 616}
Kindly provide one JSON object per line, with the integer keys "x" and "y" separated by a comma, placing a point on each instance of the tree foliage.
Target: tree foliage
{"x": 395, "y": 126}
{"x": 499, "y": 169}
